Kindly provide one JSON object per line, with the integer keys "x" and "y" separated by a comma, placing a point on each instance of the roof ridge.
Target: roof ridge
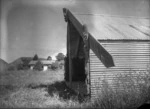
{"x": 92, "y": 14}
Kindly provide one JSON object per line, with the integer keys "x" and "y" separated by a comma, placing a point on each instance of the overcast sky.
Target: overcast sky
{"x": 30, "y": 27}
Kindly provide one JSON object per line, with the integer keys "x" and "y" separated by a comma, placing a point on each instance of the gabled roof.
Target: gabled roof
{"x": 47, "y": 62}
{"x": 44, "y": 62}
{"x": 104, "y": 27}
{"x": 90, "y": 41}
{"x": 33, "y": 62}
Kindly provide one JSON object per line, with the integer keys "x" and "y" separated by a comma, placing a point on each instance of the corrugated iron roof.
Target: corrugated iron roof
{"x": 116, "y": 27}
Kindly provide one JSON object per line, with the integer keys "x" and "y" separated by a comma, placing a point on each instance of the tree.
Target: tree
{"x": 35, "y": 57}
{"x": 49, "y": 58}
{"x": 60, "y": 56}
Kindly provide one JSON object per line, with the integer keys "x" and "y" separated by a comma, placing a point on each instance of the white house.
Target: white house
{"x": 46, "y": 64}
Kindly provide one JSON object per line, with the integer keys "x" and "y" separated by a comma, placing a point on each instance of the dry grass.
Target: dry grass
{"x": 38, "y": 98}
{"x": 129, "y": 93}
{"x": 23, "y": 78}
{"x": 47, "y": 90}
{"x": 36, "y": 89}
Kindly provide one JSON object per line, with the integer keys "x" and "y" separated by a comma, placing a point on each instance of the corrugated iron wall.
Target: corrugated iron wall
{"x": 128, "y": 57}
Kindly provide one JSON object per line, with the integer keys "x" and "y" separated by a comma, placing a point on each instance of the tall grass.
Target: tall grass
{"x": 23, "y": 78}
{"x": 130, "y": 91}
{"x": 34, "y": 89}
{"x": 37, "y": 98}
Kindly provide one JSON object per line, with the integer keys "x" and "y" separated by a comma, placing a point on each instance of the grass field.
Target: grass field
{"x": 47, "y": 89}
{"x": 35, "y": 89}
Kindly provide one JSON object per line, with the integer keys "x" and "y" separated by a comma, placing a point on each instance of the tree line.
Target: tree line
{"x": 59, "y": 57}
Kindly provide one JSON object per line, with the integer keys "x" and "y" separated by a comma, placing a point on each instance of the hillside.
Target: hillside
{"x": 20, "y": 63}
{"x": 3, "y": 65}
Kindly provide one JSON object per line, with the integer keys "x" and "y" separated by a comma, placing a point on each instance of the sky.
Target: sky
{"x": 30, "y": 27}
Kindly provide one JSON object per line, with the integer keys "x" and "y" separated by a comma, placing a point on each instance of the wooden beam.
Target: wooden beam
{"x": 86, "y": 52}
{"x": 96, "y": 47}
{"x": 69, "y": 16}
{"x": 100, "y": 52}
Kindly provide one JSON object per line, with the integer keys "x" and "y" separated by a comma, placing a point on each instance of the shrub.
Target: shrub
{"x": 20, "y": 67}
{"x": 11, "y": 68}
{"x": 26, "y": 61}
{"x": 38, "y": 66}
{"x": 54, "y": 66}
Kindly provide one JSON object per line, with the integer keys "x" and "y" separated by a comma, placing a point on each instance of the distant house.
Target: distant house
{"x": 46, "y": 64}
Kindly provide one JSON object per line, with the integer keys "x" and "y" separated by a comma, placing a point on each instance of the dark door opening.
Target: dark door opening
{"x": 78, "y": 69}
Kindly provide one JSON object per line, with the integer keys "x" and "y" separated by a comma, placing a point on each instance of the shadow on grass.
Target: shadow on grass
{"x": 61, "y": 89}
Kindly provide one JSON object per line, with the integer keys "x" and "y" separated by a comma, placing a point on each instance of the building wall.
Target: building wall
{"x": 45, "y": 68}
{"x": 31, "y": 67}
{"x": 129, "y": 57}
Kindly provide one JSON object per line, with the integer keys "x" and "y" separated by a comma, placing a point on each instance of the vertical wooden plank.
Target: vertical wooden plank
{"x": 70, "y": 60}
{"x": 70, "y": 71}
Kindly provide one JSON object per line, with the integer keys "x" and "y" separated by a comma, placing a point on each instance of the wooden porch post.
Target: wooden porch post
{"x": 86, "y": 51}
{"x": 65, "y": 12}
